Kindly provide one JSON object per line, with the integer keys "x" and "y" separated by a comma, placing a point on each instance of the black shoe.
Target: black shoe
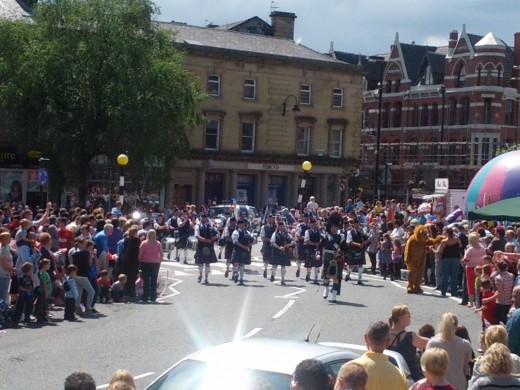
{"x": 392, "y": 278}
{"x": 226, "y": 274}
{"x": 206, "y": 281}
{"x": 235, "y": 277}
{"x": 185, "y": 261}
{"x": 265, "y": 274}
{"x": 384, "y": 277}
{"x": 272, "y": 278}
{"x": 347, "y": 277}
{"x": 283, "y": 283}
{"x": 241, "y": 283}
{"x": 298, "y": 273}
{"x": 360, "y": 283}
{"x": 199, "y": 279}
{"x": 308, "y": 277}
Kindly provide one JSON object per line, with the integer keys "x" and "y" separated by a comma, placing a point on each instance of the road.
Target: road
{"x": 147, "y": 339}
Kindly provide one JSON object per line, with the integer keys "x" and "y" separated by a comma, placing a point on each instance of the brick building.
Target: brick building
{"x": 445, "y": 110}
{"x": 250, "y": 150}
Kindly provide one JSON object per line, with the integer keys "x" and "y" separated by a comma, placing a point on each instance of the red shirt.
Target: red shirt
{"x": 65, "y": 239}
{"x": 488, "y": 314}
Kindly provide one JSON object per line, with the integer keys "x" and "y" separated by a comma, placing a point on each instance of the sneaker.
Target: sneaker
{"x": 265, "y": 274}
{"x": 298, "y": 273}
{"x": 199, "y": 279}
{"x": 272, "y": 278}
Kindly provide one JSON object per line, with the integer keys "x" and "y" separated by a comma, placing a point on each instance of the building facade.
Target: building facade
{"x": 272, "y": 105}
{"x": 445, "y": 111}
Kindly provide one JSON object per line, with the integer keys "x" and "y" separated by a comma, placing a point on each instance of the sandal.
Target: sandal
{"x": 469, "y": 305}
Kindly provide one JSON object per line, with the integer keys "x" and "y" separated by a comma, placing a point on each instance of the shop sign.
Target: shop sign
{"x": 273, "y": 167}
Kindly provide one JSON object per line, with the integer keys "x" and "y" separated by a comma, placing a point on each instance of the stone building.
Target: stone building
{"x": 446, "y": 111}
{"x": 273, "y": 104}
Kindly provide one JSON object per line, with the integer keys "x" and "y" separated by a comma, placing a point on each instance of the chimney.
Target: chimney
{"x": 454, "y": 37}
{"x": 516, "y": 62}
{"x": 283, "y": 24}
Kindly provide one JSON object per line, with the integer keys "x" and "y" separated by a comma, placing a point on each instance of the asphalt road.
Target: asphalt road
{"x": 147, "y": 339}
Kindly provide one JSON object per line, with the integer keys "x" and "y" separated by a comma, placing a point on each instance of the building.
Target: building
{"x": 445, "y": 111}
{"x": 273, "y": 105}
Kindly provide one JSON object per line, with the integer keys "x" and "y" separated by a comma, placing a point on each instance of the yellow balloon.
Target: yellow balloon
{"x": 306, "y": 165}
{"x": 122, "y": 159}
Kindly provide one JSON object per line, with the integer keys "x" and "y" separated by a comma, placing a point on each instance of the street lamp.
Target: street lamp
{"x": 442, "y": 92}
{"x": 382, "y": 64}
{"x": 306, "y": 166}
{"x": 122, "y": 160}
{"x": 296, "y": 107}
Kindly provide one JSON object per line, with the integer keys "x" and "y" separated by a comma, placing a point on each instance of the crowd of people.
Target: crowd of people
{"x": 80, "y": 257}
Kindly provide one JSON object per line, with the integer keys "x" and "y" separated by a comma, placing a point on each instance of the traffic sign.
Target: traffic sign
{"x": 43, "y": 176}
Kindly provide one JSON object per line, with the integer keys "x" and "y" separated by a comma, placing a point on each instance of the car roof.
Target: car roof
{"x": 272, "y": 355}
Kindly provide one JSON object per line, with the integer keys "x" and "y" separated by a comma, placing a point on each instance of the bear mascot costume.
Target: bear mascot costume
{"x": 415, "y": 257}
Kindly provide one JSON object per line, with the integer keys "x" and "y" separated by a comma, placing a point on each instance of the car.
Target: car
{"x": 395, "y": 357}
{"x": 254, "y": 363}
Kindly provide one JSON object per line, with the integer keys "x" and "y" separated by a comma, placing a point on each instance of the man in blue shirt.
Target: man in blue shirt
{"x": 101, "y": 245}
{"x": 513, "y": 324}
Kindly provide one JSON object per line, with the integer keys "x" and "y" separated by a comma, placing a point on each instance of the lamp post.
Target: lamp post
{"x": 122, "y": 160}
{"x": 442, "y": 92}
{"x": 306, "y": 166}
{"x": 381, "y": 62}
{"x": 296, "y": 107}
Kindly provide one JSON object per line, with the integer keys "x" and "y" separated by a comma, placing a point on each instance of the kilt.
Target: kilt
{"x": 356, "y": 258}
{"x": 241, "y": 256}
{"x": 201, "y": 257}
{"x": 267, "y": 251}
{"x": 280, "y": 257}
{"x": 310, "y": 258}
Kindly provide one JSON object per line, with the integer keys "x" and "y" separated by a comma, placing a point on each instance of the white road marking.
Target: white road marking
{"x": 284, "y": 310}
{"x": 292, "y": 295}
{"x": 172, "y": 289}
{"x": 252, "y": 333}
{"x": 135, "y": 377}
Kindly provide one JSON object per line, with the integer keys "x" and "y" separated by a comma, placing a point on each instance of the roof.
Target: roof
{"x": 194, "y": 37}
{"x": 490, "y": 40}
{"x": 14, "y": 10}
{"x": 413, "y": 57}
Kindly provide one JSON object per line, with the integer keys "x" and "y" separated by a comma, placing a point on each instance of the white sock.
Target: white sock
{"x": 334, "y": 294}
{"x": 360, "y": 272}
{"x": 326, "y": 292}
{"x": 241, "y": 271}
{"x": 207, "y": 270}
{"x": 283, "y": 272}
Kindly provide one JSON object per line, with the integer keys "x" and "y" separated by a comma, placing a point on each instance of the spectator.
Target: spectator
{"x": 513, "y": 324}
{"x": 496, "y": 367}
{"x": 79, "y": 381}
{"x": 6, "y": 265}
{"x": 351, "y": 376}
{"x": 504, "y": 283}
{"x": 311, "y": 374}
{"x": 150, "y": 256}
{"x": 458, "y": 349}
{"x": 382, "y": 374}
{"x": 122, "y": 376}
{"x": 434, "y": 364}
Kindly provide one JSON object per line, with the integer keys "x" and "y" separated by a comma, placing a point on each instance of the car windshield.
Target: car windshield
{"x": 217, "y": 211}
{"x": 196, "y": 375}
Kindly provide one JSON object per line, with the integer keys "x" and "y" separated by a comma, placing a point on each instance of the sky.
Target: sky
{"x": 360, "y": 26}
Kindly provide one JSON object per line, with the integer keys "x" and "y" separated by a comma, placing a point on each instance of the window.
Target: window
{"x": 499, "y": 77}
{"x": 479, "y": 75}
{"x": 250, "y": 89}
{"x": 337, "y": 98}
{"x": 305, "y": 94}
{"x": 484, "y": 147}
{"x": 386, "y": 116}
{"x": 461, "y": 78}
{"x": 214, "y": 85}
{"x": 397, "y": 85}
{"x": 415, "y": 116}
{"x": 452, "y": 111}
{"x": 487, "y": 111}
{"x": 464, "y": 111}
{"x": 489, "y": 77}
{"x": 303, "y": 140}
{"x": 435, "y": 114}
{"x": 427, "y": 77}
{"x": 335, "y": 143}
{"x": 398, "y": 114}
{"x": 212, "y": 135}
{"x": 424, "y": 115}
{"x": 509, "y": 117}
{"x": 388, "y": 86}
{"x": 248, "y": 137}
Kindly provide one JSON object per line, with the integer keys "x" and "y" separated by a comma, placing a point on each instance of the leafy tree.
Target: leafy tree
{"x": 85, "y": 78}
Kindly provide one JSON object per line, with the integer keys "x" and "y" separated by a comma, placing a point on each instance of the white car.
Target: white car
{"x": 248, "y": 364}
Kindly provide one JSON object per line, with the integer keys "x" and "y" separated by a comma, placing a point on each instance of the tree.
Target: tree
{"x": 97, "y": 77}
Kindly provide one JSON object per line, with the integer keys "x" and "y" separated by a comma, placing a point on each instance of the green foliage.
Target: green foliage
{"x": 97, "y": 77}
{"x": 508, "y": 149}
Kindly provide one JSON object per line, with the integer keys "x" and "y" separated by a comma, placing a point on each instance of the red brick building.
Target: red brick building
{"x": 445, "y": 111}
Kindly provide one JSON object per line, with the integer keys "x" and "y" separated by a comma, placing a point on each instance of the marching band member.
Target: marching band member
{"x": 228, "y": 246}
{"x": 282, "y": 244}
{"x": 312, "y": 242}
{"x": 333, "y": 244}
{"x": 301, "y": 253}
{"x": 206, "y": 235}
{"x": 357, "y": 239}
{"x": 265, "y": 234}
{"x": 242, "y": 243}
